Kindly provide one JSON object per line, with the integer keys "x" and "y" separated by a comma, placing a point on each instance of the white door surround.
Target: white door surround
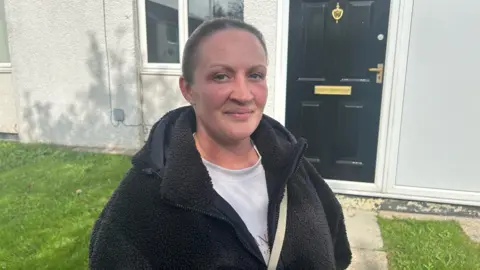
{"x": 401, "y": 12}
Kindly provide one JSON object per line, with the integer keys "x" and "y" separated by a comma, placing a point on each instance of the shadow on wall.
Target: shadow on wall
{"x": 161, "y": 93}
{"x": 83, "y": 118}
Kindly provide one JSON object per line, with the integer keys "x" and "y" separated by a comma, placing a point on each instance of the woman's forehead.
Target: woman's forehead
{"x": 232, "y": 45}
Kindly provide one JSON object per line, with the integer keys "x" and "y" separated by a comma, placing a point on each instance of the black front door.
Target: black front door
{"x": 336, "y": 56}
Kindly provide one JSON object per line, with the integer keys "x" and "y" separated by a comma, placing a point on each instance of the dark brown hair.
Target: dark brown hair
{"x": 206, "y": 29}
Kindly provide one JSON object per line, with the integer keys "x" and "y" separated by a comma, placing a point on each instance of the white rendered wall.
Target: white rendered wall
{"x": 61, "y": 72}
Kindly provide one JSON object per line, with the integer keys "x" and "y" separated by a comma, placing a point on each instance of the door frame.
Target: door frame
{"x": 392, "y": 98}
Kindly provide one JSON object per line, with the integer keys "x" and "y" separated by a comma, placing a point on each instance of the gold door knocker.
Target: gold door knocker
{"x": 337, "y": 13}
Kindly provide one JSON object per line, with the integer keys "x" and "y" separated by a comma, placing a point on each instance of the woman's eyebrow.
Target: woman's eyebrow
{"x": 229, "y": 68}
{"x": 260, "y": 66}
{"x": 221, "y": 65}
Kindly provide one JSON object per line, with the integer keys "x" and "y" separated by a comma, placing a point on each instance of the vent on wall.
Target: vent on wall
{"x": 9, "y": 136}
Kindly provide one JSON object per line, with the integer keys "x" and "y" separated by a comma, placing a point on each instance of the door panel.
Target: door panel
{"x": 314, "y": 16}
{"x": 317, "y": 110}
{"x": 341, "y": 130}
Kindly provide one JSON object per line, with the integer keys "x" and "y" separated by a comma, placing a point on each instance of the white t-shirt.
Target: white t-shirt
{"x": 246, "y": 191}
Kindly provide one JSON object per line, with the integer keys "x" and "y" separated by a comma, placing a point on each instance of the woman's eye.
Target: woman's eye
{"x": 257, "y": 76}
{"x": 220, "y": 77}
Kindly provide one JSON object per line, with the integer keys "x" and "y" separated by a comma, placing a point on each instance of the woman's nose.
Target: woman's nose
{"x": 241, "y": 91}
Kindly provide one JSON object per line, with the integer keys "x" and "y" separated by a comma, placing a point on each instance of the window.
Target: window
{"x": 162, "y": 31}
{"x": 199, "y": 11}
{"x": 4, "y": 50}
{"x": 166, "y": 24}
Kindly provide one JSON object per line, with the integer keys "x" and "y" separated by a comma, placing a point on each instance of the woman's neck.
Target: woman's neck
{"x": 234, "y": 156}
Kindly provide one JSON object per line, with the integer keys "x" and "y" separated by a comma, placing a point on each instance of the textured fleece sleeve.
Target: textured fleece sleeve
{"x": 110, "y": 246}
{"x": 334, "y": 212}
{"x": 110, "y": 249}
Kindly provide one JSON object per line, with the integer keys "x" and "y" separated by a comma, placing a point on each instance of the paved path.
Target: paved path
{"x": 366, "y": 240}
{"x": 471, "y": 227}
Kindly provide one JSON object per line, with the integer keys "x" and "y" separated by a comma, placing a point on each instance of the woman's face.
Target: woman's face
{"x": 229, "y": 91}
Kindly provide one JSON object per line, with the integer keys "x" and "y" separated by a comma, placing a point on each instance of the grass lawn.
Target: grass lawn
{"x": 49, "y": 199}
{"x": 419, "y": 244}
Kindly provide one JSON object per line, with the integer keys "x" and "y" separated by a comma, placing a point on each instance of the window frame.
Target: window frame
{"x": 142, "y": 45}
{"x": 6, "y": 67}
{"x": 163, "y": 68}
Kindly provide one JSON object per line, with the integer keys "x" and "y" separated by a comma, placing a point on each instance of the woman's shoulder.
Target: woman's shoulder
{"x": 321, "y": 188}
{"x": 136, "y": 195}
{"x": 132, "y": 217}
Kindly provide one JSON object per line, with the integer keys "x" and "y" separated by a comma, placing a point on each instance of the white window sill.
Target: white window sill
{"x": 161, "y": 71}
{"x": 5, "y": 68}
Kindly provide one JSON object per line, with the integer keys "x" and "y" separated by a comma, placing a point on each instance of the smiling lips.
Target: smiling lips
{"x": 240, "y": 114}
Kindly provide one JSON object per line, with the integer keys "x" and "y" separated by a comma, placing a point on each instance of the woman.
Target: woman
{"x": 218, "y": 184}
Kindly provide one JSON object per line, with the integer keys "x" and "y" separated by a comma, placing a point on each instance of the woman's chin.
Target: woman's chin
{"x": 240, "y": 131}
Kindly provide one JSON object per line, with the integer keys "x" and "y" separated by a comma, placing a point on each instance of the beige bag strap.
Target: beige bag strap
{"x": 279, "y": 235}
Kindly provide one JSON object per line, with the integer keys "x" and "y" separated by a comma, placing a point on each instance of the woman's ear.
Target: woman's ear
{"x": 186, "y": 90}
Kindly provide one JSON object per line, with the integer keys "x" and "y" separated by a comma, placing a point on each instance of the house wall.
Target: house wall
{"x": 440, "y": 129}
{"x": 8, "y": 108}
{"x": 161, "y": 94}
{"x": 61, "y": 73}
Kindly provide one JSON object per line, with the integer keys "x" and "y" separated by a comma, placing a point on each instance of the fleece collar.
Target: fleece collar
{"x": 170, "y": 151}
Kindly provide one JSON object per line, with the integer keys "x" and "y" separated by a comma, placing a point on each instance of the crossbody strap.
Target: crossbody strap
{"x": 279, "y": 234}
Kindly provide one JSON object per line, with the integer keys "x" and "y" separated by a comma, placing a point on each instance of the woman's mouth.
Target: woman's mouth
{"x": 240, "y": 114}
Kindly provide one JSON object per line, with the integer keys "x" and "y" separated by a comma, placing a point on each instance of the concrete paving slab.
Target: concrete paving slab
{"x": 363, "y": 230}
{"x": 363, "y": 259}
{"x": 471, "y": 227}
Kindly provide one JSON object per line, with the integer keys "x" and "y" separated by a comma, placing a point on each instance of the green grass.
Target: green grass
{"x": 49, "y": 200}
{"x": 416, "y": 244}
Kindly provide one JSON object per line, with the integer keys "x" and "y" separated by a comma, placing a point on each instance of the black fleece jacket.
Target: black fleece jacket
{"x": 165, "y": 213}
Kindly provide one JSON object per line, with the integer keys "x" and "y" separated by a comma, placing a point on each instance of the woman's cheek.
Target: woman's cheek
{"x": 217, "y": 94}
{"x": 261, "y": 93}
